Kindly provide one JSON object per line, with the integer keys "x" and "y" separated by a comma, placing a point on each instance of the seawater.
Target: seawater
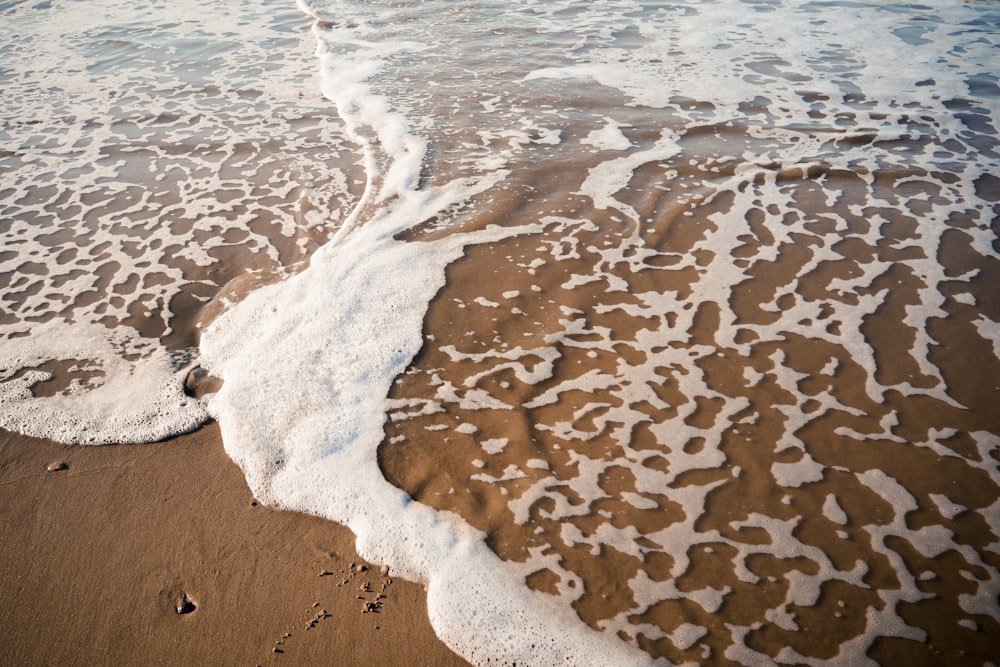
{"x": 152, "y": 154}
{"x": 638, "y": 331}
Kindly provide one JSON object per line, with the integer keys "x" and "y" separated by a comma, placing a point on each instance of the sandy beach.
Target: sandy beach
{"x": 641, "y": 332}
{"x": 97, "y": 558}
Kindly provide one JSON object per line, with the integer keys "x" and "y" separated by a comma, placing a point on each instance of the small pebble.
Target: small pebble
{"x": 57, "y": 466}
{"x": 361, "y": 568}
{"x": 184, "y": 605}
{"x": 384, "y": 570}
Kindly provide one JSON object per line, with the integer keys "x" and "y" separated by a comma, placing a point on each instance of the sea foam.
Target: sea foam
{"x": 645, "y": 334}
{"x": 307, "y": 365}
{"x": 624, "y": 460}
{"x": 144, "y": 169}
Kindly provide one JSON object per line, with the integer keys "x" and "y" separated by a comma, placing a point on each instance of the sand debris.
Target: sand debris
{"x": 314, "y": 621}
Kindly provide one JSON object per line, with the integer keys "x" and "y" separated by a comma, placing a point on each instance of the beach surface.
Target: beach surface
{"x": 638, "y": 331}
{"x": 98, "y": 557}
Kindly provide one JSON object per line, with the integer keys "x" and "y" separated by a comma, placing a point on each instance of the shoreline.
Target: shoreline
{"x": 97, "y": 559}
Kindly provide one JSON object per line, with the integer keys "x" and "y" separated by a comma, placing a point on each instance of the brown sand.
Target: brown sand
{"x": 96, "y": 558}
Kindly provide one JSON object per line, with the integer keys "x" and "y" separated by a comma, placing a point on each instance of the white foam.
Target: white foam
{"x": 686, "y": 635}
{"x": 794, "y": 475}
{"x": 833, "y": 511}
{"x": 467, "y": 428}
{"x": 612, "y": 176}
{"x": 608, "y": 138}
{"x": 359, "y": 309}
{"x": 125, "y": 179}
{"x": 990, "y": 331}
{"x": 328, "y": 342}
{"x": 308, "y": 363}
{"x": 128, "y": 401}
{"x": 948, "y": 508}
{"x": 494, "y": 446}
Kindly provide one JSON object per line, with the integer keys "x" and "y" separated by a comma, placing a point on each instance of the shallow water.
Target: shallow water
{"x": 152, "y": 155}
{"x": 676, "y": 320}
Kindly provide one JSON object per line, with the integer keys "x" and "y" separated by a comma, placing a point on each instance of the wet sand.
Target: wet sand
{"x": 725, "y": 480}
{"x": 96, "y": 559}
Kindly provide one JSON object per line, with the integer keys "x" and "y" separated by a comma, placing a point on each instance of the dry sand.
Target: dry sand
{"x": 96, "y": 558}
